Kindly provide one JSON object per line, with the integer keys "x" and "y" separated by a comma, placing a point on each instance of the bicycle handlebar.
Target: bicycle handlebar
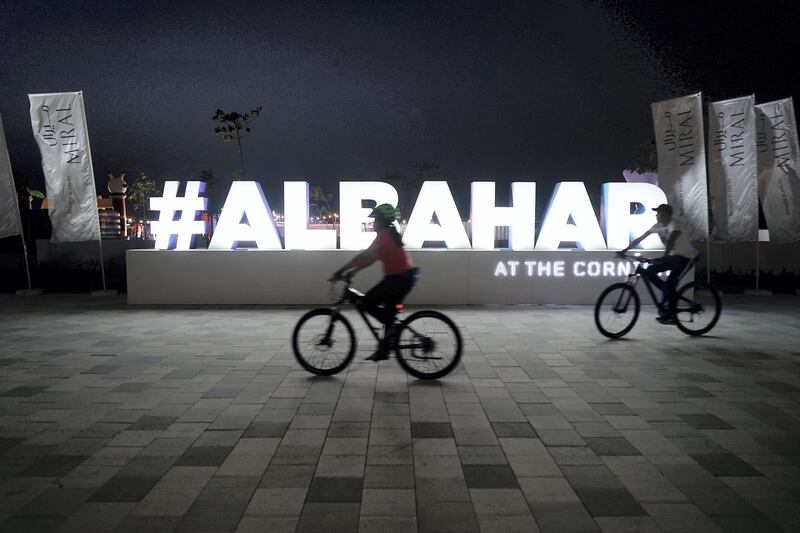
{"x": 639, "y": 258}
{"x": 338, "y": 295}
{"x": 341, "y": 277}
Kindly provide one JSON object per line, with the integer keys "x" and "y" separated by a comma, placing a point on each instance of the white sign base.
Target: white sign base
{"x": 448, "y": 277}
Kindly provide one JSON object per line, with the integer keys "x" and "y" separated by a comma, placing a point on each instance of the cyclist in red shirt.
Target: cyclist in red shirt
{"x": 399, "y": 274}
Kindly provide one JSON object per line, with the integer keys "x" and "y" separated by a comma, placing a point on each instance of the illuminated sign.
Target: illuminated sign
{"x": 560, "y": 269}
{"x": 178, "y": 234}
{"x": 246, "y": 201}
{"x": 569, "y": 218}
{"x": 435, "y": 199}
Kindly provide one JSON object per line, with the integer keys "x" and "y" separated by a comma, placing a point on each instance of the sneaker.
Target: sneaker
{"x": 391, "y": 332}
{"x": 666, "y": 319}
{"x": 381, "y": 354}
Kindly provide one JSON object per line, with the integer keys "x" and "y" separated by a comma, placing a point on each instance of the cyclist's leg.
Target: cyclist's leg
{"x": 376, "y": 300}
{"x": 399, "y": 293}
{"x": 677, "y": 263}
{"x": 408, "y": 280}
{"x": 404, "y": 283}
{"x": 652, "y": 272}
{"x": 380, "y": 302}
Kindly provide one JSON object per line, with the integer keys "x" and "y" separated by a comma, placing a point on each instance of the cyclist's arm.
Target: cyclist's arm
{"x": 362, "y": 260}
{"x": 636, "y": 242}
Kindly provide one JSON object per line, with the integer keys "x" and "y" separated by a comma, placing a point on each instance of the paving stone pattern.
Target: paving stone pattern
{"x": 128, "y": 419}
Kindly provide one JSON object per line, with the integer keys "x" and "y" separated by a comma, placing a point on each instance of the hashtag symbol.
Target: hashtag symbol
{"x": 176, "y": 225}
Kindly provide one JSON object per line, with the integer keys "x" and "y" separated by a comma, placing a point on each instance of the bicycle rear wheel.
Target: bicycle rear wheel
{"x": 616, "y": 310}
{"x": 323, "y": 341}
{"x": 428, "y": 345}
{"x": 697, "y": 308}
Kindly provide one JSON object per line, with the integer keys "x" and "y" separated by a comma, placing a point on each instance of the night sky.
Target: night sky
{"x": 543, "y": 91}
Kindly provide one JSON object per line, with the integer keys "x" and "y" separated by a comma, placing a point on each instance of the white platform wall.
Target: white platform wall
{"x": 449, "y": 277}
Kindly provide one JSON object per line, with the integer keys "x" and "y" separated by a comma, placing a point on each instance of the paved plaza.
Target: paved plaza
{"x": 130, "y": 419}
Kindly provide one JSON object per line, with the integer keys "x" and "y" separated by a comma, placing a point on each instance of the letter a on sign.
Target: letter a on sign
{"x": 245, "y": 201}
{"x": 570, "y": 201}
{"x": 623, "y": 223}
{"x": 435, "y": 198}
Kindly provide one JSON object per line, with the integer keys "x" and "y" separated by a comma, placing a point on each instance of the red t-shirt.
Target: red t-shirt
{"x": 395, "y": 260}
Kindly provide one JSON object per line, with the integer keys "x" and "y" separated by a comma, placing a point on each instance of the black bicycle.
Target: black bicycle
{"x": 697, "y": 306}
{"x": 427, "y": 343}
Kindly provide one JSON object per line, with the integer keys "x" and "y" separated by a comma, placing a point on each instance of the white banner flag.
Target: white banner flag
{"x": 732, "y": 169}
{"x": 778, "y": 162}
{"x": 59, "y": 126}
{"x": 10, "y": 223}
{"x": 678, "y": 125}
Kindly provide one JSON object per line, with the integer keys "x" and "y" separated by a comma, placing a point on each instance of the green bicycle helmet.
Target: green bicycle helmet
{"x": 385, "y": 212}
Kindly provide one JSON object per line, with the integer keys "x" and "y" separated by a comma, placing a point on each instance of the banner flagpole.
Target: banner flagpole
{"x": 27, "y": 267}
{"x": 60, "y": 128}
{"x": 102, "y": 265}
{"x": 778, "y": 181}
{"x": 8, "y": 224}
{"x": 733, "y": 171}
{"x": 708, "y": 206}
{"x": 24, "y": 250}
{"x": 680, "y": 147}
{"x": 96, "y": 215}
{"x": 758, "y": 264}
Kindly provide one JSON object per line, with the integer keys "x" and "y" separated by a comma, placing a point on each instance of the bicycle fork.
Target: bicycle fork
{"x": 326, "y": 339}
{"x": 620, "y": 306}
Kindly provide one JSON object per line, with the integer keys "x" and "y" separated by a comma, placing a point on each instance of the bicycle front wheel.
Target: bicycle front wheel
{"x": 428, "y": 345}
{"x": 616, "y": 310}
{"x": 324, "y": 342}
{"x": 697, "y": 308}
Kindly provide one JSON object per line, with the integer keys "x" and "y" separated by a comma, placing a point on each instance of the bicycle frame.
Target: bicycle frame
{"x": 633, "y": 280}
{"x": 638, "y": 273}
{"x": 355, "y": 299}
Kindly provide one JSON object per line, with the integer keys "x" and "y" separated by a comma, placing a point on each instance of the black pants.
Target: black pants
{"x": 380, "y": 300}
{"x": 675, "y": 264}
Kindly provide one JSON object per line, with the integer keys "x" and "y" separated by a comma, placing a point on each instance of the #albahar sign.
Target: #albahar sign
{"x": 569, "y": 218}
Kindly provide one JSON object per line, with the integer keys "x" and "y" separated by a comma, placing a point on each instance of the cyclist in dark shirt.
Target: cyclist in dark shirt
{"x": 399, "y": 274}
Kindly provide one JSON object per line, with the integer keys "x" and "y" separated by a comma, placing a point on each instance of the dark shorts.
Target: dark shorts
{"x": 676, "y": 264}
{"x": 380, "y": 300}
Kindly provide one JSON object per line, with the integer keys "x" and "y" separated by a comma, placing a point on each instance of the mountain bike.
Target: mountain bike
{"x": 697, "y": 306}
{"x": 427, "y": 343}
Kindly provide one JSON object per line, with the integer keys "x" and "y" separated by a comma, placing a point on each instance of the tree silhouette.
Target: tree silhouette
{"x": 140, "y": 192}
{"x": 25, "y": 188}
{"x": 408, "y": 188}
{"x": 214, "y": 191}
{"x": 320, "y": 200}
{"x": 645, "y": 157}
{"x": 430, "y": 171}
{"x": 403, "y": 184}
{"x": 234, "y": 126}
